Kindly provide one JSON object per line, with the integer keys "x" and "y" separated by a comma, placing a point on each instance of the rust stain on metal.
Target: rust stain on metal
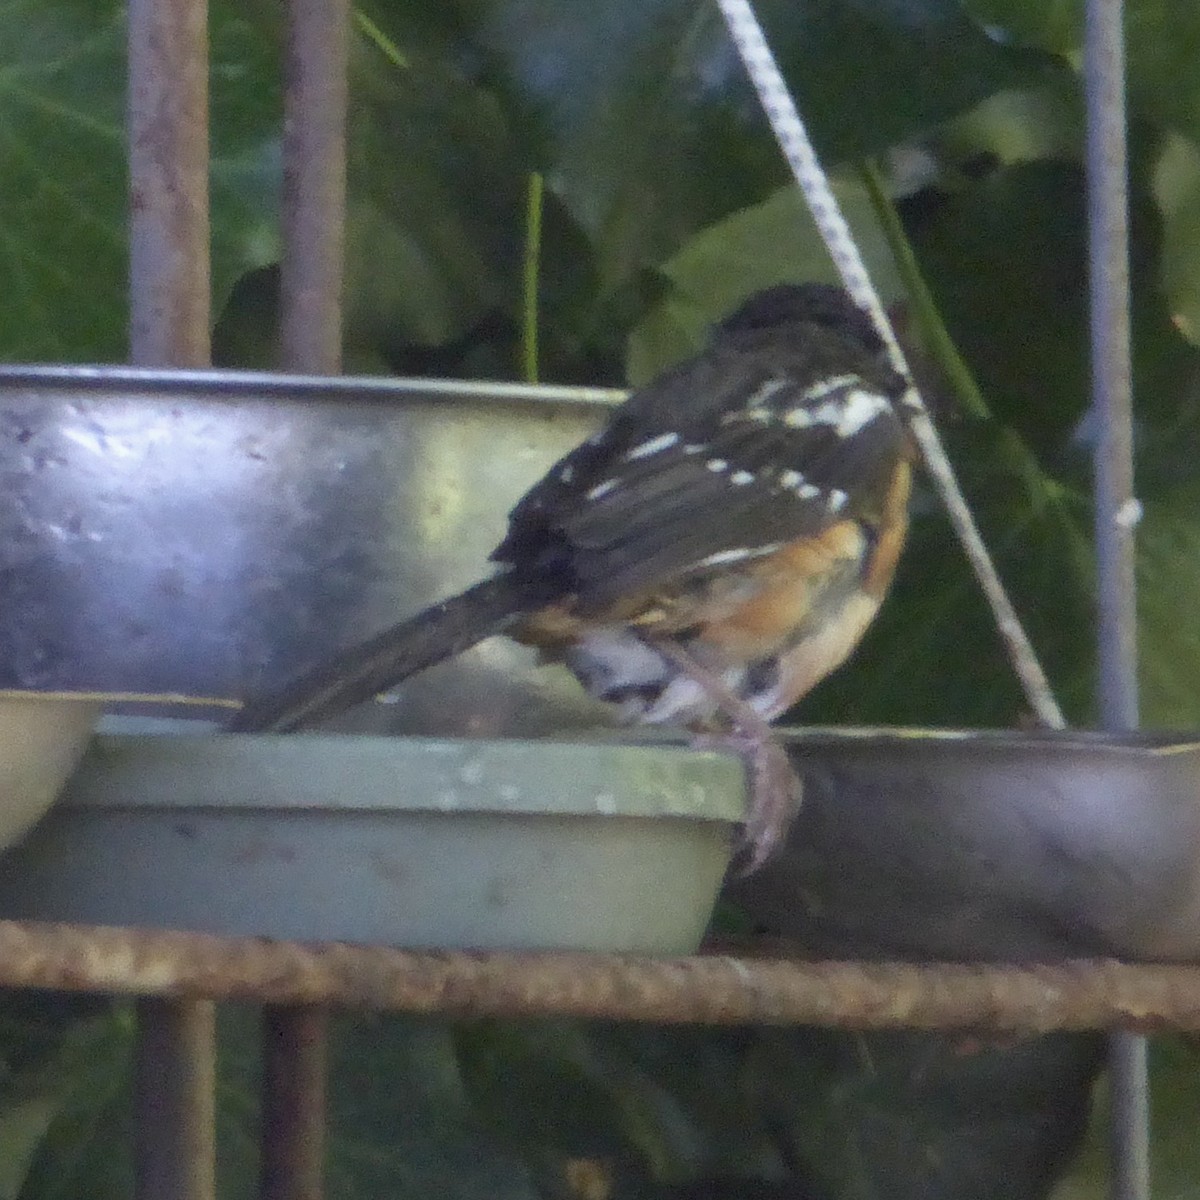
{"x": 706, "y": 989}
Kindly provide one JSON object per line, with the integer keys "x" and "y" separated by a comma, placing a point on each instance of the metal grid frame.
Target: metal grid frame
{"x": 177, "y": 977}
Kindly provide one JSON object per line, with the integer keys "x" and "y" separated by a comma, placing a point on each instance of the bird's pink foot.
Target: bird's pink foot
{"x": 775, "y": 791}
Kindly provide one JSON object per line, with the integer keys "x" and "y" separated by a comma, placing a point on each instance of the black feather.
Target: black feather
{"x": 667, "y": 512}
{"x": 804, "y": 303}
{"x": 357, "y": 674}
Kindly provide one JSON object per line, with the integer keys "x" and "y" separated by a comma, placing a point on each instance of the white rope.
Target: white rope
{"x": 797, "y": 148}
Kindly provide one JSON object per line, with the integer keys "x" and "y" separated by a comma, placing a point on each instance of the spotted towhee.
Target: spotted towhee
{"x": 714, "y": 551}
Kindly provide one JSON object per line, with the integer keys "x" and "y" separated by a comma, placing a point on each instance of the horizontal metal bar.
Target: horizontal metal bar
{"x": 299, "y": 386}
{"x": 708, "y": 989}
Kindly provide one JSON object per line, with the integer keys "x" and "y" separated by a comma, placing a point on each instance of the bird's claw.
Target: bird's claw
{"x": 775, "y": 794}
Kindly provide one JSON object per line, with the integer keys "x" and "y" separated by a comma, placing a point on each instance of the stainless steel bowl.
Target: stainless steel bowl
{"x": 184, "y": 535}
{"x": 997, "y": 845}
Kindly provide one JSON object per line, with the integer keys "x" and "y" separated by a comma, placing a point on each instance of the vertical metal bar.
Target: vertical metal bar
{"x": 295, "y": 1040}
{"x": 173, "y": 1101}
{"x": 174, "y": 1141}
{"x": 168, "y": 199}
{"x": 1117, "y": 508}
{"x": 295, "y": 1065}
{"x": 314, "y": 184}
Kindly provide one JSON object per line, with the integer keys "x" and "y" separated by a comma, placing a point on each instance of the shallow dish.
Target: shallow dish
{"x": 392, "y": 841}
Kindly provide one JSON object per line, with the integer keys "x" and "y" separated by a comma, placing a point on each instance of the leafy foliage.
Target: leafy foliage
{"x": 665, "y": 200}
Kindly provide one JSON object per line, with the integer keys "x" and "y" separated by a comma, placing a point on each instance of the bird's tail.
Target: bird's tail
{"x": 360, "y": 672}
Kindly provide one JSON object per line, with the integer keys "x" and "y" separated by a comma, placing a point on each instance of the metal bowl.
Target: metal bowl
{"x": 198, "y": 535}
{"x": 393, "y": 841}
{"x": 1003, "y": 846}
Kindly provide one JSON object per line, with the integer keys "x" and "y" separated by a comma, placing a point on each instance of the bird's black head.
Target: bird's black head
{"x": 786, "y": 304}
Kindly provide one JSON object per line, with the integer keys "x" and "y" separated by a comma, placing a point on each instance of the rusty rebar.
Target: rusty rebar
{"x": 314, "y": 184}
{"x": 169, "y": 281}
{"x": 311, "y": 280}
{"x": 173, "y": 1136}
{"x": 169, "y": 325}
{"x": 295, "y": 1069}
{"x": 722, "y": 990}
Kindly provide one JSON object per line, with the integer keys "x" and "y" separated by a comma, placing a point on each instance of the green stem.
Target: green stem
{"x": 382, "y": 42}
{"x": 937, "y": 339}
{"x": 533, "y": 263}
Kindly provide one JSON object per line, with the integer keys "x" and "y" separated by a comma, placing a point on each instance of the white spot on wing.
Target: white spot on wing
{"x": 808, "y": 491}
{"x": 798, "y": 418}
{"x": 724, "y": 557}
{"x": 655, "y": 445}
{"x": 766, "y": 391}
{"x": 790, "y": 479}
{"x": 837, "y": 500}
{"x": 741, "y": 478}
{"x": 827, "y": 386}
{"x": 845, "y": 414}
{"x": 602, "y": 489}
{"x": 694, "y": 448}
{"x": 716, "y": 464}
{"x": 566, "y": 474}
{"x": 851, "y": 412}
{"x": 754, "y": 408}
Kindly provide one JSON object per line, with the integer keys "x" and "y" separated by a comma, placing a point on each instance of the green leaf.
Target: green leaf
{"x": 918, "y": 1116}
{"x": 64, "y": 179}
{"x": 1174, "y": 1154}
{"x": 1005, "y": 260}
{"x": 401, "y": 1122}
{"x": 666, "y": 1104}
{"x": 1163, "y": 62}
{"x": 1177, "y": 190}
{"x": 1054, "y": 25}
{"x": 1162, "y": 49}
{"x": 434, "y": 195}
{"x": 1168, "y": 577}
{"x": 768, "y": 243}
{"x": 653, "y": 130}
{"x": 85, "y": 1151}
{"x": 47, "y": 1068}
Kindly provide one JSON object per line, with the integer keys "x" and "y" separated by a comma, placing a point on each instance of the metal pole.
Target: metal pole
{"x": 295, "y": 1067}
{"x": 314, "y": 184}
{"x": 174, "y": 1143}
{"x": 295, "y": 1040}
{"x": 1117, "y": 508}
{"x": 173, "y": 1080}
{"x": 168, "y": 167}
